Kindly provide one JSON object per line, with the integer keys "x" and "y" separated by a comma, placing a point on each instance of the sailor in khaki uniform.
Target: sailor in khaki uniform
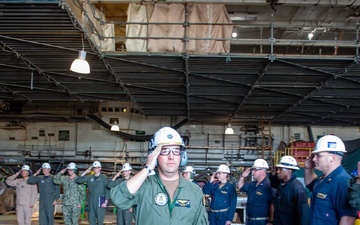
{"x": 26, "y": 195}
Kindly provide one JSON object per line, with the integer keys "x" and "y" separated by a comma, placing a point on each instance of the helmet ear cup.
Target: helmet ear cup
{"x": 183, "y": 158}
{"x": 191, "y": 176}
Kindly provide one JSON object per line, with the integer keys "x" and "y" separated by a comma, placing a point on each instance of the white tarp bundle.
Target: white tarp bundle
{"x": 93, "y": 25}
{"x": 166, "y": 31}
{"x": 137, "y": 13}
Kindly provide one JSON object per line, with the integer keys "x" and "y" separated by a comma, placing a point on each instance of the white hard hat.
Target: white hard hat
{"x": 189, "y": 169}
{"x": 96, "y": 164}
{"x": 126, "y": 167}
{"x": 288, "y": 162}
{"x": 25, "y": 167}
{"x": 46, "y": 166}
{"x": 223, "y": 168}
{"x": 71, "y": 166}
{"x": 329, "y": 143}
{"x": 260, "y": 163}
{"x": 166, "y": 136}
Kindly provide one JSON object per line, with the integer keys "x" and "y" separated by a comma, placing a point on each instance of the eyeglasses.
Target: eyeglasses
{"x": 166, "y": 151}
{"x": 281, "y": 169}
{"x": 321, "y": 154}
{"x": 256, "y": 169}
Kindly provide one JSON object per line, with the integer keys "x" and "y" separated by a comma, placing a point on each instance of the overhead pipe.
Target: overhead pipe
{"x": 131, "y": 137}
{"x": 310, "y": 133}
{"x": 245, "y": 2}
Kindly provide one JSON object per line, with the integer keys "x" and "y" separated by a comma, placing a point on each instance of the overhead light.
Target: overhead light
{"x": 310, "y": 35}
{"x": 229, "y": 130}
{"x": 234, "y": 33}
{"x": 80, "y": 65}
{"x": 115, "y": 127}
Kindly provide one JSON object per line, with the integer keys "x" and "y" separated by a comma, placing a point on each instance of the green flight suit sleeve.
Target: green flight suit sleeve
{"x": 122, "y": 198}
{"x": 34, "y": 180}
{"x": 82, "y": 180}
{"x": 107, "y": 190}
{"x": 201, "y": 214}
{"x": 112, "y": 183}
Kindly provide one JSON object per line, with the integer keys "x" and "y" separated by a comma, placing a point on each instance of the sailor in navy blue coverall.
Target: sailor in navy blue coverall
{"x": 329, "y": 202}
{"x": 291, "y": 201}
{"x": 223, "y": 197}
{"x": 259, "y": 207}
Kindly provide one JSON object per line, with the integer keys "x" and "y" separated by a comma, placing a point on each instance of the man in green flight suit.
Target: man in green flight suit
{"x": 166, "y": 197}
{"x": 123, "y": 217}
{"x": 99, "y": 193}
{"x": 49, "y": 193}
{"x": 73, "y": 194}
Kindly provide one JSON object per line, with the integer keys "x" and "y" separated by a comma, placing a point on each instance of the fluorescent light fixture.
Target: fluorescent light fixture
{"x": 242, "y": 17}
{"x": 115, "y": 127}
{"x": 80, "y": 65}
{"x": 229, "y": 130}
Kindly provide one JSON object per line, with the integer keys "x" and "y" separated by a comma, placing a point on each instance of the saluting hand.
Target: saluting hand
{"x": 37, "y": 172}
{"x": 63, "y": 171}
{"x": 116, "y": 175}
{"x": 212, "y": 177}
{"x": 86, "y": 171}
{"x": 246, "y": 172}
{"x": 309, "y": 164}
{"x": 18, "y": 173}
{"x": 152, "y": 157}
{"x": 357, "y": 181}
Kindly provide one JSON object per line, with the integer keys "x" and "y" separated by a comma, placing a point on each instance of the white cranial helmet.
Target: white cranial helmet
{"x": 288, "y": 162}
{"x": 25, "y": 167}
{"x": 223, "y": 168}
{"x": 71, "y": 166}
{"x": 166, "y": 136}
{"x": 189, "y": 169}
{"x": 330, "y": 143}
{"x": 46, "y": 166}
{"x": 260, "y": 163}
{"x": 126, "y": 167}
{"x": 96, "y": 164}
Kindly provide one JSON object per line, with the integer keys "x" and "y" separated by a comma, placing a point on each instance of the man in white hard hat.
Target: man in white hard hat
{"x": 26, "y": 195}
{"x": 123, "y": 217}
{"x": 223, "y": 195}
{"x": 73, "y": 194}
{"x": 166, "y": 197}
{"x": 330, "y": 199}
{"x": 259, "y": 207}
{"x": 99, "y": 193}
{"x": 291, "y": 201}
{"x": 188, "y": 173}
{"x": 49, "y": 193}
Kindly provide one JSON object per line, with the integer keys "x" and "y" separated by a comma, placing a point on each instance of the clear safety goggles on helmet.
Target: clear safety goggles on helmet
{"x": 166, "y": 151}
